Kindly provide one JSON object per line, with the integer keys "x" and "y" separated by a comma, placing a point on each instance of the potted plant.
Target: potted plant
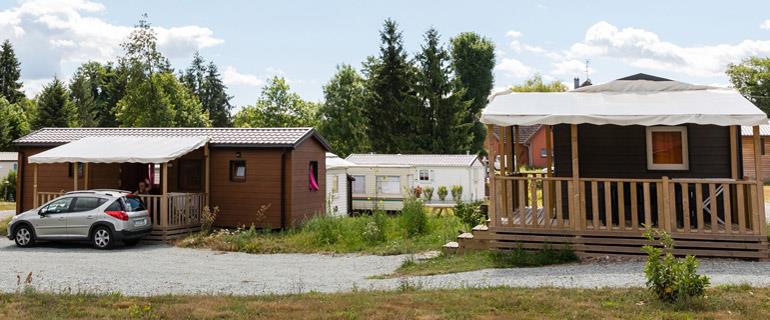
{"x": 427, "y": 193}
{"x": 457, "y": 193}
{"x": 417, "y": 192}
{"x": 442, "y": 192}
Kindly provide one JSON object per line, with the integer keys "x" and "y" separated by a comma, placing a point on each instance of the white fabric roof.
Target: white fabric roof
{"x": 118, "y": 149}
{"x": 334, "y": 161}
{"x": 625, "y": 102}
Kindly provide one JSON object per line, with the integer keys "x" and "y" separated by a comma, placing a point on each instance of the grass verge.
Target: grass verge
{"x": 4, "y": 205}
{"x": 4, "y": 226}
{"x": 734, "y": 302}
{"x": 481, "y": 260}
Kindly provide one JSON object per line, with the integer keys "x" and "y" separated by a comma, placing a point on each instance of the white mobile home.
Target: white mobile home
{"x": 382, "y": 180}
{"x": 338, "y": 186}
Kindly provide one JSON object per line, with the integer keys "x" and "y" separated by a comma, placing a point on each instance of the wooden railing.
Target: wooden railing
{"x": 43, "y": 197}
{"x": 184, "y": 209}
{"x": 679, "y": 206}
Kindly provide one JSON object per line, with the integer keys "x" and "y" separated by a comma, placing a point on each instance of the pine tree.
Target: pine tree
{"x": 205, "y": 82}
{"x": 342, "y": 113}
{"x": 10, "y": 73}
{"x": 83, "y": 98}
{"x": 441, "y": 127}
{"x": 473, "y": 59}
{"x": 393, "y": 107}
{"x": 54, "y": 108}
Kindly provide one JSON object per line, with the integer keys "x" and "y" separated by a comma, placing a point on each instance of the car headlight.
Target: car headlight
{"x": 14, "y": 217}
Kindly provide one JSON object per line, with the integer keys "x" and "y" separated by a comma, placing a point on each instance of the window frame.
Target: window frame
{"x": 419, "y": 175}
{"x": 543, "y": 152}
{"x": 378, "y": 188}
{"x": 335, "y": 184}
{"x": 353, "y": 183}
{"x": 233, "y": 169}
{"x": 762, "y": 146}
{"x": 685, "y": 165}
{"x": 69, "y": 207}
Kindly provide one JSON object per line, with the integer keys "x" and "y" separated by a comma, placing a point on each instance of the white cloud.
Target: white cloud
{"x": 765, "y": 24}
{"x": 570, "y": 68}
{"x": 232, "y": 77}
{"x": 514, "y": 68}
{"x": 49, "y": 34}
{"x": 517, "y": 46}
{"x": 644, "y": 49}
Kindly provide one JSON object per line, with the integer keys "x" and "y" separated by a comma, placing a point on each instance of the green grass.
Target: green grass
{"x": 4, "y": 226}
{"x": 378, "y": 234}
{"x": 477, "y": 260}
{"x": 4, "y": 205}
{"x": 731, "y": 302}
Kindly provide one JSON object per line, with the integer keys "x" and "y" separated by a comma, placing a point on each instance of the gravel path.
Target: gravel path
{"x": 160, "y": 269}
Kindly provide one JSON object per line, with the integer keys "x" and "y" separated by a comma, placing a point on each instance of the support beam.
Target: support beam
{"x": 75, "y": 173}
{"x": 548, "y": 151}
{"x": 206, "y": 174}
{"x": 575, "y": 217}
{"x": 491, "y": 154}
{"x": 85, "y": 176}
{"x": 34, "y": 185}
{"x": 734, "y": 152}
{"x": 164, "y": 197}
{"x": 516, "y": 148}
{"x": 760, "y": 205}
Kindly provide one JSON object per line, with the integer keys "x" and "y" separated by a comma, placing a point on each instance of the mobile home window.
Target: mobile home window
{"x": 237, "y": 170}
{"x": 335, "y": 183}
{"x": 424, "y": 174}
{"x": 359, "y": 184}
{"x": 543, "y": 153}
{"x": 388, "y": 184}
{"x": 667, "y": 148}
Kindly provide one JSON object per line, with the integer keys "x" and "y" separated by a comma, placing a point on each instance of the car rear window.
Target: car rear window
{"x": 134, "y": 204}
{"x": 115, "y": 206}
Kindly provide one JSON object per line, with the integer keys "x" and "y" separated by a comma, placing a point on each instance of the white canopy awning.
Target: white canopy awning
{"x": 625, "y": 102}
{"x": 119, "y": 149}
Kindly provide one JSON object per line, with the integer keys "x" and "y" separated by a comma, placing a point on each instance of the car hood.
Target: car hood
{"x": 26, "y": 214}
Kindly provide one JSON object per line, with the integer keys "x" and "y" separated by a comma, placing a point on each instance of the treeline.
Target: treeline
{"x": 428, "y": 102}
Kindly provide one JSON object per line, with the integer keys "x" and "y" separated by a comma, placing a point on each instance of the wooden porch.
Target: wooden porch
{"x": 719, "y": 217}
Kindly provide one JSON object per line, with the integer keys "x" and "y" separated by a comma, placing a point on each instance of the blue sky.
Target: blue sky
{"x": 303, "y": 41}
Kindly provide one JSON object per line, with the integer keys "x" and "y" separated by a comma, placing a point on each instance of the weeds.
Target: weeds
{"x": 413, "y": 217}
{"x": 4, "y": 226}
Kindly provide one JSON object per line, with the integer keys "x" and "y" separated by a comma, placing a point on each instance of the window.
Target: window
{"x": 237, "y": 170}
{"x": 313, "y": 176}
{"x": 388, "y": 184}
{"x": 335, "y": 183}
{"x": 190, "y": 177}
{"x": 359, "y": 184}
{"x": 87, "y": 203}
{"x": 80, "y": 170}
{"x": 115, "y": 206}
{"x": 667, "y": 148}
{"x": 424, "y": 174}
{"x": 543, "y": 153}
{"x": 14, "y": 167}
{"x": 57, "y": 206}
{"x": 134, "y": 204}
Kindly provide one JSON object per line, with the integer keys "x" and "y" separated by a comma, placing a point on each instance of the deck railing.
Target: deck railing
{"x": 679, "y": 206}
{"x": 183, "y": 209}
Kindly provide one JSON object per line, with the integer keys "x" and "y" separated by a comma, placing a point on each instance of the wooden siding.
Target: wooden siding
{"x": 305, "y": 203}
{"x": 50, "y": 178}
{"x": 747, "y": 150}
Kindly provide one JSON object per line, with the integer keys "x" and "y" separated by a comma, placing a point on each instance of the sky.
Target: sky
{"x": 304, "y": 41}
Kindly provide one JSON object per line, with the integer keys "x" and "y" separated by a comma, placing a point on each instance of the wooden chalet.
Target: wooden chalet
{"x": 635, "y": 152}
{"x": 266, "y": 177}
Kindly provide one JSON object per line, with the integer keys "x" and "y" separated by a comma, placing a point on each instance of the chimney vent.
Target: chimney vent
{"x": 576, "y": 83}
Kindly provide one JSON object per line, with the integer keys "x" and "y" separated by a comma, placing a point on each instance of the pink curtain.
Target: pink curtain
{"x": 313, "y": 182}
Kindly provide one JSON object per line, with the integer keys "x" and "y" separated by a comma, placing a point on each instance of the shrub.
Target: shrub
{"x": 669, "y": 278}
{"x": 208, "y": 217}
{"x": 457, "y": 193}
{"x": 427, "y": 193}
{"x": 374, "y": 229}
{"x": 414, "y": 221}
{"x": 442, "y": 192}
{"x": 326, "y": 230}
{"x": 469, "y": 213}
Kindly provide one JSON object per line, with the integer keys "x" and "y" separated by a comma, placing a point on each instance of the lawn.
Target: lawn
{"x": 4, "y": 205}
{"x": 477, "y": 260}
{"x": 4, "y": 226}
{"x": 732, "y": 302}
{"x": 371, "y": 234}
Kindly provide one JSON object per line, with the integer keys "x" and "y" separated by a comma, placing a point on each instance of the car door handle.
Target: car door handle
{"x": 90, "y": 216}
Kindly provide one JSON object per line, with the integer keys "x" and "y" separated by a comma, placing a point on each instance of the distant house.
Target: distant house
{"x": 380, "y": 181}
{"x": 8, "y": 163}
{"x": 337, "y": 185}
{"x": 531, "y": 143}
{"x": 747, "y": 148}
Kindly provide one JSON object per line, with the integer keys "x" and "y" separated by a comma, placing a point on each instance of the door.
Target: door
{"x": 84, "y": 211}
{"x": 51, "y": 221}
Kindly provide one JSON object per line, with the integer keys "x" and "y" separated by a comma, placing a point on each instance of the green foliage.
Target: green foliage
{"x": 473, "y": 60}
{"x": 160, "y": 102}
{"x": 442, "y": 193}
{"x": 457, "y": 193}
{"x": 669, "y": 278}
{"x": 4, "y": 226}
{"x": 414, "y": 220}
{"x": 469, "y": 213}
{"x": 54, "y": 108}
{"x": 519, "y": 257}
{"x": 342, "y": 113}
{"x": 427, "y": 193}
{"x": 277, "y": 106}
{"x": 10, "y": 73}
{"x": 8, "y": 186}
{"x": 96, "y": 89}
{"x": 13, "y": 123}
{"x": 374, "y": 230}
{"x": 751, "y": 78}
{"x": 536, "y": 84}
{"x": 205, "y": 82}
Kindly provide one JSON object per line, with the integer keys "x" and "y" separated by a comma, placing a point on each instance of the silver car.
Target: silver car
{"x": 100, "y": 216}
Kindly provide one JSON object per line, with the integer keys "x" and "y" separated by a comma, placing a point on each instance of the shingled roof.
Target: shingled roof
{"x": 525, "y": 133}
{"x": 236, "y": 137}
{"x": 438, "y": 160}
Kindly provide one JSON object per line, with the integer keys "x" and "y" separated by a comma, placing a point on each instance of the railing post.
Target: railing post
{"x": 665, "y": 202}
{"x": 491, "y": 155}
{"x": 164, "y": 197}
{"x": 761, "y": 229}
{"x": 34, "y": 185}
{"x": 577, "y": 216}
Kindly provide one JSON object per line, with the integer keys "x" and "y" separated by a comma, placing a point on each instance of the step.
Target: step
{"x": 452, "y": 245}
{"x": 481, "y": 227}
{"x": 466, "y": 235}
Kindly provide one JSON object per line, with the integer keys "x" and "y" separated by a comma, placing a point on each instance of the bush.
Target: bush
{"x": 374, "y": 229}
{"x": 414, "y": 221}
{"x": 208, "y": 217}
{"x": 469, "y": 213}
{"x": 326, "y": 230}
{"x": 457, "y": 193}
{"x": 669, "y": 278}
{"x": 442, "y": 192}
{"x": 427, "y": 193}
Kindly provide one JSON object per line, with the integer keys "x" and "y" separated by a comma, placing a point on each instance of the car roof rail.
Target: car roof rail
{"x": 110, "y": 190}
{"x": 80, "y": 191}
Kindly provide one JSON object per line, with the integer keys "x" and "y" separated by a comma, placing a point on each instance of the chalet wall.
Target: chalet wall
{"x": 305, "y": 203}
{"x": 747, "y": 149}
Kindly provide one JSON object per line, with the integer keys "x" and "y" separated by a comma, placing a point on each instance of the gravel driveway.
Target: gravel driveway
{"x": 161, "y": 269}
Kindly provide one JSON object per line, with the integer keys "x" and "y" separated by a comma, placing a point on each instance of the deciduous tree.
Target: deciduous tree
{"x": 277, "y": 106}
{"x": 343, "y": 122}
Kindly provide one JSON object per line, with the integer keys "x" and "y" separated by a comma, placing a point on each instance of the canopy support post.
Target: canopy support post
{"x": 34, "y": 185}
{"x": 762, "y": 227}
{"x": 75, "y": 173}
{"x": 516, "y": 148}
{"x": 548, "y": 151}
{"x": 734, "y": 152}
{"x": 491, "y": 157}
{"x": 575, "y": 217}
{"x": 164, "y": 198}
{"x": 85, "y": 176}
{"x": 207, "y": 171}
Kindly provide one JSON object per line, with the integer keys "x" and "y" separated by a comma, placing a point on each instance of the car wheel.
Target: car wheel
{"x": 131, "y": 242}
{"x": 102, "y": 238}
{"x": 23, "y": 236}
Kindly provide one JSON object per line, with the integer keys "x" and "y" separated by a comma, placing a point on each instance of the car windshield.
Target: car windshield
{"x": 134, "y": 204}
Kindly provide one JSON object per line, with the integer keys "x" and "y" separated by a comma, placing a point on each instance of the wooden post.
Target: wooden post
{"x": 85, "y": 176}
{"x": 206, "y": 177}
{"x": 491, "y": 175}
{"x": 516, "y": 149}
{"x": 733, "y": 153}
{"x": 665, "y": 222}
{"x": 548, "y": 151}
{"x": 34, "y": 185}
{"x": 760, "y": 204}
{"x": 164, "y": 197}
{"x": 575, "y": 217}
{"x": 75, "y": 176}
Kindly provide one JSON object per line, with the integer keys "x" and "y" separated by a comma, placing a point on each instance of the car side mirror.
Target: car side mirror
{"x": 41, "y": 213}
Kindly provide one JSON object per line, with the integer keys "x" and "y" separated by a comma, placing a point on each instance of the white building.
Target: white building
{"x": 382, "y": 180}
{"x": 8, "y": 163}
{"x": 337, "y": 186}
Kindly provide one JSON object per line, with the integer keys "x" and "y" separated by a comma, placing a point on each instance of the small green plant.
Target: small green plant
{"x": 469, "y": 213}
{"x": 427, "y": 193}
{"x": 457, "y": 193}
{"x": 208, "y": 216}
{"x": 442, "y": 193}
{"x": 414, "y": 220}
{"x": 669, "y": 278}
{"x": 374, "y": 229}
{"x": 4, "y": 226}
